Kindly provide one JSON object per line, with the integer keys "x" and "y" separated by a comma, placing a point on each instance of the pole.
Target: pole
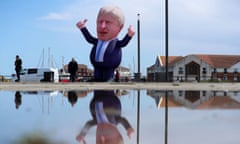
{"x": 138, "y": 116}
{"x": 138, "y": 30}
{"x": 166, "y": 118}
{"x": 166, "y": 35}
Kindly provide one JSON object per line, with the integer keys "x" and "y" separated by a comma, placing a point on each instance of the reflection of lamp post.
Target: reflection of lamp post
{"x": 138, "y": 116}
{"x": 166, "y": 117}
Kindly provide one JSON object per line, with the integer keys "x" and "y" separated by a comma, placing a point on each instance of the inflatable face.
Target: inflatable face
{"x": 110, "y": 21}
{"x": 107, "y": 27}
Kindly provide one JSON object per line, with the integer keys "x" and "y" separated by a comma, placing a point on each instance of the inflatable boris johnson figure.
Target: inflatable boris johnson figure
{"x": 106, "y": 53}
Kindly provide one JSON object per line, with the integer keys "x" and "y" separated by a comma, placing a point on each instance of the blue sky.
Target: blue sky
{"x": 195, "y": 27}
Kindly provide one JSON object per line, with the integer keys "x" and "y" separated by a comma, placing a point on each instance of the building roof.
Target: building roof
{"x": 220, "y": 61}
{"x": 171, "y": 102}
{"x": 80, "y": 66}
{"x": 225, "y": 102}
{"x": 122, "y": 68}
{"x": 171, "y": 60}
{"x": 216, "y": 61}
{"x": 152, "y": 67}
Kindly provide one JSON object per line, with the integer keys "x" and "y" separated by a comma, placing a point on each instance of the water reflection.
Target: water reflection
{"x": 134, "y": 116}
{"x": 198, "y": 99}
{"x": 18, "y": 99}
{"x": 73, "y": 95}
{"x": 105, "y": 108}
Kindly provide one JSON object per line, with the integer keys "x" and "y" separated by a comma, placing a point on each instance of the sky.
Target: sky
{"x": 44, "y": 33}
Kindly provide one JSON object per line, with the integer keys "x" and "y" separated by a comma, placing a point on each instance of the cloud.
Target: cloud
{"x": 56, "y": 16}
{"x": 201, "y": 9}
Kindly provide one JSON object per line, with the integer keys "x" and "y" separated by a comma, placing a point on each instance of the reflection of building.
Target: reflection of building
{"x": 41, "y": 93}
{"x": 197, "y": 99}
{"x": 79, "y": 93}
{"x": 120, "y": 92}
{"x": 83, "y": 93}
{"x": 196, "y": 67}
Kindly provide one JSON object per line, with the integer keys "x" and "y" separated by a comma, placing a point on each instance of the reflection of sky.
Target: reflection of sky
{"x": 55, "y": 117}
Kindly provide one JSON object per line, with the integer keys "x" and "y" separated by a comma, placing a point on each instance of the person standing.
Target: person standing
{"x": 72, "y": 69}
{"x": 18, "y": 67}
{"x": 117, "y": 76}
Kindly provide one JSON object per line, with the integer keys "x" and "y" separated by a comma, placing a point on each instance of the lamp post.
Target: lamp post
{"x": 166, "y": 40}
{"x": 166, "y": 75}
{"x": 138, "y": 44}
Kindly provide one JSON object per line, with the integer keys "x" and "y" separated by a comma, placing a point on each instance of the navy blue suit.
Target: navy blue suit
{"x": 104, "y": 71}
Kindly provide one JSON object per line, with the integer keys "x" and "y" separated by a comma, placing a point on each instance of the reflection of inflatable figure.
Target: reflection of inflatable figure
{"x": 18, "y": 99}
{"x": 72, "y": 97}
{"x": 106, "y": 112}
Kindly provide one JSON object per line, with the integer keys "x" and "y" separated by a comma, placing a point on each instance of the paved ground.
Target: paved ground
{"x": 9, "y": 86}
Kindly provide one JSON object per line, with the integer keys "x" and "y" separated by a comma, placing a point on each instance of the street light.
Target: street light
{"x": 138, "y": 74}
{"x": 166, "y": 40}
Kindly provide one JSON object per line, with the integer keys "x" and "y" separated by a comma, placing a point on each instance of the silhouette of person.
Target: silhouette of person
{"x": 105, "y": 109}
{"x": 72, "y": 97}
{"x": 18, "y": 67}
{"x": 106, "y": 53}
{"x": 18, "y": 99}
{"x": 72, "y": 69}
{"x": 117, "y": 76}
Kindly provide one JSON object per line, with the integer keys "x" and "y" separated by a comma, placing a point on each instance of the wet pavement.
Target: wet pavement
{"x": 113, "y": 85}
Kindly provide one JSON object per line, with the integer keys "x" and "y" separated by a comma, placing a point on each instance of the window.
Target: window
{"x": 204, "y": 70}
{"x": 204, "y": 93}
{"x": 180, "y": 93}
{"x": 214, "y": 70}
{"x": 180, "y": 71}
{"x": 225, "y": 70}
{"x": 32, "y": 71}
{"x": 235, "y": 70}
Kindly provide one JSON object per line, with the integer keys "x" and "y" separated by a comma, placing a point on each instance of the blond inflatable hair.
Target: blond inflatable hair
{"x": 115, "y": 11}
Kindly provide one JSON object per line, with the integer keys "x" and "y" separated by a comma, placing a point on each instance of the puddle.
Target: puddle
{"x": 120, "y": 116}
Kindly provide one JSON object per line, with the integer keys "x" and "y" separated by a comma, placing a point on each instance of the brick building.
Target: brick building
{"x": 83, "y": 71}
{"x": 196, "y": 67}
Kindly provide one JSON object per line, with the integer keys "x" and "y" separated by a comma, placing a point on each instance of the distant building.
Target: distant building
{"x": 196, "y": 67}
{"x": 125, "y": 73}
{"x": 156, "y": 72}
{"x": 83, "y": 71}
